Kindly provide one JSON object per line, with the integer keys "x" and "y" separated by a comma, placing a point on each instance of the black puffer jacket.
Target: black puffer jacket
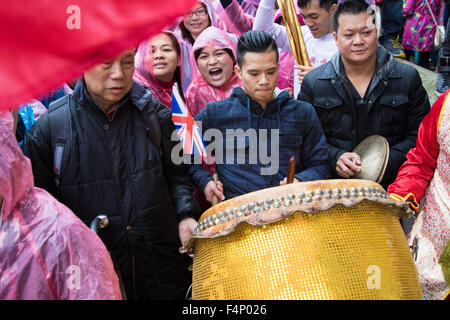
{"x": 395, "y": 104}
{"x": 115, "y": 169}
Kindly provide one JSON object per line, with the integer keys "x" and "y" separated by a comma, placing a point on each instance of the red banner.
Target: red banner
{"x": 47, "y": 42}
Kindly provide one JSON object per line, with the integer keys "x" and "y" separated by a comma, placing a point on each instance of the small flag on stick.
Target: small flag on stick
{"x": 188, "y": 131}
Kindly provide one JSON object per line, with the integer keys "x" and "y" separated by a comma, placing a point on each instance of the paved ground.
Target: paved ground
{"x": 428, "y": 80}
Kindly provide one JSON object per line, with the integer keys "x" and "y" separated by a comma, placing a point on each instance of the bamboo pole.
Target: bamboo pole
{"x": 294, "y": 32}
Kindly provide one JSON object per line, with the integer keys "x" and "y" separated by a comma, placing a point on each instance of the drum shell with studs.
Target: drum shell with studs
{"x": 331, "y": 239}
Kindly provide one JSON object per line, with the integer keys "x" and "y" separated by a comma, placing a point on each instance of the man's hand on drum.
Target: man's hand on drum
{"x": 302, "y": 71}
{"x": 185, "y": 229}
{"x": 348, "y": 165}
{"x": 212, "y": 188}
{"x": 284, "y": 181}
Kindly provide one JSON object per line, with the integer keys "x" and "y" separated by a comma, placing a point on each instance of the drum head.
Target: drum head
{"x": 374, "y": 153}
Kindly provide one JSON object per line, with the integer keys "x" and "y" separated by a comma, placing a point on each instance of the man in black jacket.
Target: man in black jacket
{"x": 363, "y": 91}
{"x": 110, "y": 162}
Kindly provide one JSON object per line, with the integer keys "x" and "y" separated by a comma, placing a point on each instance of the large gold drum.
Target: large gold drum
{"x": 333, "y": 239}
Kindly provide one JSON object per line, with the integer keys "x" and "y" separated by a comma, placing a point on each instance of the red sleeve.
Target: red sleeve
{"x": 415, "y": 174}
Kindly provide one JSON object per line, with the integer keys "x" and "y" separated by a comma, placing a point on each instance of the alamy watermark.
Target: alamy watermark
{"x": 235, "y": 146}
{"x": 73, "y": 21}
{"x": 374, "y": 280}
{"x": 73, "y": 281}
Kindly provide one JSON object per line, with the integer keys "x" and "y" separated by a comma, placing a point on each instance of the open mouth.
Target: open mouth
{"x": 216, "y": 73}
{"x": 160, "y": 65}
{"x": 196, "y": 25}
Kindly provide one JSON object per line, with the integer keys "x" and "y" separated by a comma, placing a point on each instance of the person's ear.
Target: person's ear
{"x": 333, "y": 9}
{"x": 335, "y": 35}
{"x": 237, "y": 70}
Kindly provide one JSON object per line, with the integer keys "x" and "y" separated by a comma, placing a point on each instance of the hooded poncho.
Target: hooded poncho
{"x": 46, "y": 252}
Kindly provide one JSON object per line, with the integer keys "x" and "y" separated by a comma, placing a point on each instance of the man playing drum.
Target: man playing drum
{"x": 259, "y": 121}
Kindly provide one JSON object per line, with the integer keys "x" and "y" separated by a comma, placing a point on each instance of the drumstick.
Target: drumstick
{"x": 291, "y": 170}
{"x": 215, "y": 199}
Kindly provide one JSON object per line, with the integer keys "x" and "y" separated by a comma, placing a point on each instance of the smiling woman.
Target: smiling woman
{"x": 215, "y": 65}
{"x": 214, "y": 54}
{"x": 159, "y": 66}
{"x": 193, "y": 23}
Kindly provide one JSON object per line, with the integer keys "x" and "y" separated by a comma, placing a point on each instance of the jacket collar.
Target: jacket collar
{"x": 272, "y": 107}
{"x": 384, "y": 66}
{"x": 138, "y": 95}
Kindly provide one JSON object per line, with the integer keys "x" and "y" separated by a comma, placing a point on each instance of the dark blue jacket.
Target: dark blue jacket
{"x": 300, "y": 135}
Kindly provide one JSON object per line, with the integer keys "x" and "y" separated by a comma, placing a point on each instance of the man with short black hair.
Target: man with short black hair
{"x": 317, "y": 32}
{"x": 362, "y": 92}
{"x": 290, "y": 124}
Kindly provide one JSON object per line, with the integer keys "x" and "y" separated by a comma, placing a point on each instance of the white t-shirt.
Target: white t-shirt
{"x": 320, "y": 51}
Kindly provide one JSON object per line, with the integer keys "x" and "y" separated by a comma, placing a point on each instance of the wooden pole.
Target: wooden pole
{"x": 294, "y": 32}
{"x": 215, "y": 199}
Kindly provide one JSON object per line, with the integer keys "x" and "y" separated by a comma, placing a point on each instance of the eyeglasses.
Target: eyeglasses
{"x": 198, "y": 13}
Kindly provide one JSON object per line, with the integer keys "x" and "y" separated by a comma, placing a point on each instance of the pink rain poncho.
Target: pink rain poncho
{"x": 200, "y": 92}
{"x": 143, "y": 72}
{"x": 238, "y": 22}
{"x": 46, "y": 252}
{"x": 287, "y": 60}
{"x": 235, "y": 18}
{"x": 186, "y": 45}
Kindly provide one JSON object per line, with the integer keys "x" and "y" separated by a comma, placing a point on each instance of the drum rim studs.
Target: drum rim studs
{"x": 301, "y": 195}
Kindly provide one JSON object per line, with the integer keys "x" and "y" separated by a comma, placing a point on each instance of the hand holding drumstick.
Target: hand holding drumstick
{"x": 214, "y": 190}
{"x": 291, "y": 172}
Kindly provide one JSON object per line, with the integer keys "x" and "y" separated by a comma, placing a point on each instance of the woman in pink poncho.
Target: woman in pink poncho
{"x": 46, "y": 252}
{"x": 159, "y": 66}
{"x": 238, "y": 22}
{"x": 201, "y": 16}
{"x": 214, "y": 52}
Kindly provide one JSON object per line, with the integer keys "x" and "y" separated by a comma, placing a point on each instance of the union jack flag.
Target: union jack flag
{"x": 188, "y": 131}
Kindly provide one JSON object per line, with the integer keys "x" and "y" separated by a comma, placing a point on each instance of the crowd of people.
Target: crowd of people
{"x": 104, "y": 143}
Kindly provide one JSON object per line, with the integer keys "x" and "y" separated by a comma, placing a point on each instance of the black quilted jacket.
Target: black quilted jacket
{"x": 115, "y": 169}
{"x": 393, "y": 107}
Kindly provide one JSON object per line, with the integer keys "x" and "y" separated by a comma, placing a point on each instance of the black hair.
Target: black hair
{"x": 177, "y": 73}
{"x": 254, "y": 41}
{"x": 185, "y": 32}
{"x": 353, "y": 7}
{"x": 325, "y": 4}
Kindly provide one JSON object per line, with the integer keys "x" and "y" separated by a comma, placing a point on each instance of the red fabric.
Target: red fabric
{"x": 39, "y": 51}
{"x": 415, "y": 174}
